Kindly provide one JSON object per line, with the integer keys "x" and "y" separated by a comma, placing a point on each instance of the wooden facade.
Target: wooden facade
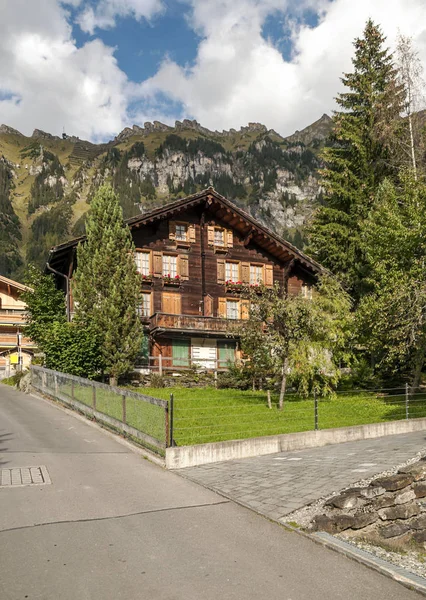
{"x": 195, "y": 256}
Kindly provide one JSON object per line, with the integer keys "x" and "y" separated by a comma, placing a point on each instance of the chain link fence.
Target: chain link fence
{"x": 140, "y": 417}
{"x": 232, "y": 415}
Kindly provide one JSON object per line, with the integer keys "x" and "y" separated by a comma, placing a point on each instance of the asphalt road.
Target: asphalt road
{"x": 112, "y": 525}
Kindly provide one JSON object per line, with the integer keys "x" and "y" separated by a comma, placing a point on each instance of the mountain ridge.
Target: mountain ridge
{"x": 47, "y": 181}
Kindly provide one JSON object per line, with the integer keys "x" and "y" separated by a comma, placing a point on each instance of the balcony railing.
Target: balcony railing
{"x": 192, "y": 323}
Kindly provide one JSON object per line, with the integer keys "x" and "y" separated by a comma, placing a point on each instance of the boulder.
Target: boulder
{"x": 420, "y": 489}
{"x": 362, "y": 520}
{"x": 403, "y": 511}
{"x": 332, "y": 524}
{"x": 404, "y": 497}
{"x": 383, "y": 501}
{"x": 372, "y": 492}
{"x": 346, "y": 501}
{"x": 420, "y": 537}
{"x": 394, "y": 482}
{"x": 418, "y": 522}
{"x": 393, "y": 530}
{"x": 417, "y": 470}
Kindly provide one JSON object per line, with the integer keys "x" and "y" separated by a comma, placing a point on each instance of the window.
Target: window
{"x": 232, "y": 309}
{"x": 232, "y": 271}
{"x": 142, "y": 260}
{"x": 169, "y": 265}
{"x": 307, "y": 291}
{"x": 181, "y": 232}
{"x": 144, "y": 309}
{"x": 180, "y": 352}
{"x": 256, "y": 274}
{"x": 219, "y": 237}
{"x": 225, "y": 353}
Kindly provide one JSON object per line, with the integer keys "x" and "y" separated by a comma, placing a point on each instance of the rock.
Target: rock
{"x": 419, "y": 522}
{"x": 420, "y": 537}
{"x": 393, "y": 530}
{"x": 420, "y": 489}
{"x": 383, "y": 501}
{"x": 417, "y": 470}
{"x": 362, "y": 520}
{"x": 332, "y": 524}
{"x": 346, "y": 501}
{"x": 394, "y": 482}
{"x": 404, "y": 497}
{"x": 403, "y": 511}
{"x": 372, "y": 492}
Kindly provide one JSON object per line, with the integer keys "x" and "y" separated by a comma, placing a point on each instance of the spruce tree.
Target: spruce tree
{"x": 106, "y": 285}
{"x": 358, "y": 158}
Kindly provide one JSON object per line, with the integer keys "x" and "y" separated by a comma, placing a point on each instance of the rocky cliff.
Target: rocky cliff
{"x": 48, "y": 181}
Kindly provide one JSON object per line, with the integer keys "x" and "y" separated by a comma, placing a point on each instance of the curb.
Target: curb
{"x": 389, "y": 570}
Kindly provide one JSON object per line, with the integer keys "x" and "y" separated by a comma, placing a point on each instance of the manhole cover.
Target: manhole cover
{"x": 20, "y": 476}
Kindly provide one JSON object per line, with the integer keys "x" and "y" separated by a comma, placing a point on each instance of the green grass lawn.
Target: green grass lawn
{"x": 211, "y": 415}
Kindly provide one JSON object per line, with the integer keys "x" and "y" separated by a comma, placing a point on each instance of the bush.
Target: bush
{"x": 14, "y": 379}
{"x": 157, "y": 381}
{"x": 235, "y": 378}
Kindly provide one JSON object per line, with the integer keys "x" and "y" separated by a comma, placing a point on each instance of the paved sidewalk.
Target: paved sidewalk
{"x": 278, "y": 484}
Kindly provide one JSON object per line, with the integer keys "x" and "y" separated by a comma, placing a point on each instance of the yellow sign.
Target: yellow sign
{"x": 14, "y": 358}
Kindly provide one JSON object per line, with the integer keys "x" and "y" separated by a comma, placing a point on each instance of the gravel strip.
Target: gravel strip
{"x": 413, "y": 561}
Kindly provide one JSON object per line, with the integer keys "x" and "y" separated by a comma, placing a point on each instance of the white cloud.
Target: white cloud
{"x": 238, "y": 76}
{"x": 47, "y": 82}
{"x": 105, "y": 13}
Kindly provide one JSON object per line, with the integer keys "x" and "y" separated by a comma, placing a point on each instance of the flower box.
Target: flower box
{"x": 169, "y": 280}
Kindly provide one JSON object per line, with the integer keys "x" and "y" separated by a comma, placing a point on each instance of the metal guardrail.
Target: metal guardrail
{"x": 141, "y": 417}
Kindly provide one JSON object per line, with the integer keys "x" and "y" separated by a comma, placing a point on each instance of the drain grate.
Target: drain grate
{"x": 23, "y": 476}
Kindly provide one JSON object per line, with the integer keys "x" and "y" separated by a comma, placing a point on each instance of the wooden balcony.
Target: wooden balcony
{"x": 12, "y": 317}
{"x": 192, "y": 324}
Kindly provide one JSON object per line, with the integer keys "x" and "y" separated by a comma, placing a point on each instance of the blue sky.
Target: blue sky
{"x": 97, "y": 66}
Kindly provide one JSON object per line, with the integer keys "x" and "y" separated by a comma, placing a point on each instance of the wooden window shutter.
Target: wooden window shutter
{"x": 269, "y": 275}
{"x": 229, "y": 238}
{"x": 208, "y": 306}
{"x": 183, "y": 266}
{"x": 221, "y": 307}
{"x": 245, "y": 309}
{"x": 157, "y": 267}
{"x": 167, "y": 303}
{"x": 245, "y": 272}
{"x": 191, "y": 233}
{"x": 172, "y": 230}
{"x": 177, "y": 304}
{"x": 221, "y": 270}
{"x": 210, "y": 235}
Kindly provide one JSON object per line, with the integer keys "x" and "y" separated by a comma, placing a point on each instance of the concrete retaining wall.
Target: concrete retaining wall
{"x": 202, "y": 454}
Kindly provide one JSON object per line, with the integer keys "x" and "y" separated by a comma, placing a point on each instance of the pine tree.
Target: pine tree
{"x": 358, "y": 158}
{"x": 106, "y": 285}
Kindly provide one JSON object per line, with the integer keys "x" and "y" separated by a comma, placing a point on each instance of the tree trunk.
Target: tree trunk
{"x": 413, "y": 153}
{"x": 418, "y": 370}
{"x": 283, "y": 384}
{"x": 269, "y": 399}
{"x": 113, "y": 380}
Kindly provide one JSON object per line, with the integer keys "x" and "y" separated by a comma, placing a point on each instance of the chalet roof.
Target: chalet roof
{"x": 225, "y": 211}
{"x": 14, "y": 284}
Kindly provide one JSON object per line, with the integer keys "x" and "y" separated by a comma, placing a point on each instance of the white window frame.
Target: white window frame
{"x": 183, "y": 226}
{"x": 232, "y": 271}
{"x": 222, "y": 242}
{"x": 307, "y": 291}
{"x": 170, "y": 265}
{"x": 143, "y": 262}
{"x": 256, "y": 274}
{"x": 145, "y": 307}
{"x": 233, "y": 314}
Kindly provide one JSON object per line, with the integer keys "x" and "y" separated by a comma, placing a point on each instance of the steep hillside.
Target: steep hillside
{"x": 47, "y": 182}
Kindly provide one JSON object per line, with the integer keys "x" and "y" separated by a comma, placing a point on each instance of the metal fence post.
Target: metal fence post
{"x": 55, "y": 379}
{"x": 94, "y": 396}
{"x": 407, "y": 400}
{"x": 123, "y": 397}
{"x": 72, "y": 389}
{"x": 160, "y": 364}
{"x": 171, "y": 409}
{"x": 316, "y": 411}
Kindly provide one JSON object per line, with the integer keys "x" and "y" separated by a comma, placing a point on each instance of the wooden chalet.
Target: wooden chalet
{"x": 194, "y": 256}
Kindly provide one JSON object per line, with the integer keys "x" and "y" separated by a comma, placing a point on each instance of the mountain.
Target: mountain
{"x": 47, "y": 181}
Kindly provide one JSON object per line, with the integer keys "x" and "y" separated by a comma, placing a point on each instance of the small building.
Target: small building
{"x": 195, "y": 257}
{"x": 15, "y": 349}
